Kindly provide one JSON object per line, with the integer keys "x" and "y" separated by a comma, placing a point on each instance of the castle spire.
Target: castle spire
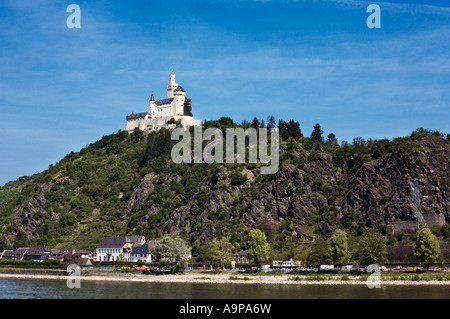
{"x": 171, "y": 85}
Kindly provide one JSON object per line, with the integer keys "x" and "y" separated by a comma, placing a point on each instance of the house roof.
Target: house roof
{"x": 241, "y": 253}
{"x": 179, "y": 89}
{"x": 61, "y": 252}
{"x": 136, "y": 116}
{"x": 20, "y": 251}
{"x": 165, "y": 101}
{"x": 8, "y": 253}
{"x": 84, "y": 252}
{"x": 119, "y": 241}
{"x": 38, "y": 250}
{"x": 141, "y": 249}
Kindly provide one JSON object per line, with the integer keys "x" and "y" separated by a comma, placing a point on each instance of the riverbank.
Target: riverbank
{"x": 231, "y": 278}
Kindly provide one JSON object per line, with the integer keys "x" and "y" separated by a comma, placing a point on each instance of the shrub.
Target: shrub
{"x": 237, "y": 178}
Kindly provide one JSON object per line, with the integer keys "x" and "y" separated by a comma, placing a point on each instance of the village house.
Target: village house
{"x": 117, "y": 248}
{"x": 19, "y": 253}
{"x": 81, "y": 258}
{"x": 60, "y": 254}
{"x": 241, "y": 260}
{"x": 139, "y": 252}
{"x": 7, "y": 254}
{"x": 38, "y": 253}
{"x": 85, "y": 254}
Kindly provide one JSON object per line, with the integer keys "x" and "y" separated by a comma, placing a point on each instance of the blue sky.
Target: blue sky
{"x": 312, "y": 61}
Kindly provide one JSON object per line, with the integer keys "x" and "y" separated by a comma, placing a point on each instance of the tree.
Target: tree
{"x": 22, "y": 239}
{"x": 237, "y": 178}
{"x": 339, "y": 247}
{"x": 255, "y": 123}
{"x": 289, "y": 129}
{"x": 319, "y": 253}
{"x": 348, "y": 217}
{"x": 158, "y": 145}
{"x": 220, "y": 252}
{"x": 372, "y": 248}
{"x": 293, "y": 128}
{"x": 316, "y": 134}
{"x": 331, "y": 139}
{"x": 283, "y": 129}
{"x": 171, "y": 254}
{"x": 270, "y": 123}
{"x": 258, "y": 247}
{"x": 427, "y": 249}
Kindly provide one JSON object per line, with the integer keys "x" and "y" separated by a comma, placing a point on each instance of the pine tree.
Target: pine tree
{"x": 255, "y": 123}
{"x": 270, "y": 123}
{"x": 316, "y": 134}
{"x": 294, "y": 129}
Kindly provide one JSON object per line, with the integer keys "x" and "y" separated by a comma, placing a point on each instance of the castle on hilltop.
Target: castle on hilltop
{"x": 164, "y": 113}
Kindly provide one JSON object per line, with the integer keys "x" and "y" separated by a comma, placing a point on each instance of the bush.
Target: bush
{"x": 237, "y": 178}
{"x": 348, "y": 217}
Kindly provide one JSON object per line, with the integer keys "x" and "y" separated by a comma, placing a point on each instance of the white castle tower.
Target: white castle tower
{"x": 175, "y": 107}
{"x": 171, "y": 86}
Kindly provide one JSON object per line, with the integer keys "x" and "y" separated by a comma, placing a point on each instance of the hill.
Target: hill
{"x": 126, "y": 184}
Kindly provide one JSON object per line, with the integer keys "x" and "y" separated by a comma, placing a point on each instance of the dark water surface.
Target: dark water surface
{"x": 49, "y": 289}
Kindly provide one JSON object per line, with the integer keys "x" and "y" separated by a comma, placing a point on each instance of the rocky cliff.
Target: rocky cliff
{"x": 108, "y": 189}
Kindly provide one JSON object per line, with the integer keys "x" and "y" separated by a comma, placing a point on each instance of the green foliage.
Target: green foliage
{"x": 317, "y": 133}
{"x": 219, "y": 251}
{"x": 45, "y": 264}
{"x": 258, "y": 247}
{"x": 159, "y": 144}
{"x": 170, "y": 254}
{"x": 22, "y": 239}
{"x": 421, "y": 132}
{"x": 348, "y": 217}
{"x": 445, "y": 230}
{"x": 67, "y": 219}
{"x": 339, "y": 247}
{"x": 427, "y": 249}
{"x": 298, "y": 162}
{"x": 319, "y": 253}
{"x": 372, "y": 249}
{"x": 237, "y": 178}
{"x": 289, "y": 129}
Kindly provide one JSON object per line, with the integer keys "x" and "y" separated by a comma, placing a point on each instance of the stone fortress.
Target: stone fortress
{"x": 164, "y": 113}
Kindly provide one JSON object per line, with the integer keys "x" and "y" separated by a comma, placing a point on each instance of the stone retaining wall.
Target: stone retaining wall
{"x": 34, "y": 272}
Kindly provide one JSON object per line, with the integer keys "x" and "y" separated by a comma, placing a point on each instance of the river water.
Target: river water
{"x": 57, "y": 289}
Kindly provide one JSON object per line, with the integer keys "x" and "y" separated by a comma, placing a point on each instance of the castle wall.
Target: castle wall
{"x": 405, "y": 227}
{"x": 163, "y": 110}
{"x": 431, "y": 219}
{"x": 137, "y": 122}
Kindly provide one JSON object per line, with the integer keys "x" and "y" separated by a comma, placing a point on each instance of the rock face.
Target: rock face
{"x": 140, "y": 194}
{"x": 317, "y": 188}
{"x": 408, "y": 184}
